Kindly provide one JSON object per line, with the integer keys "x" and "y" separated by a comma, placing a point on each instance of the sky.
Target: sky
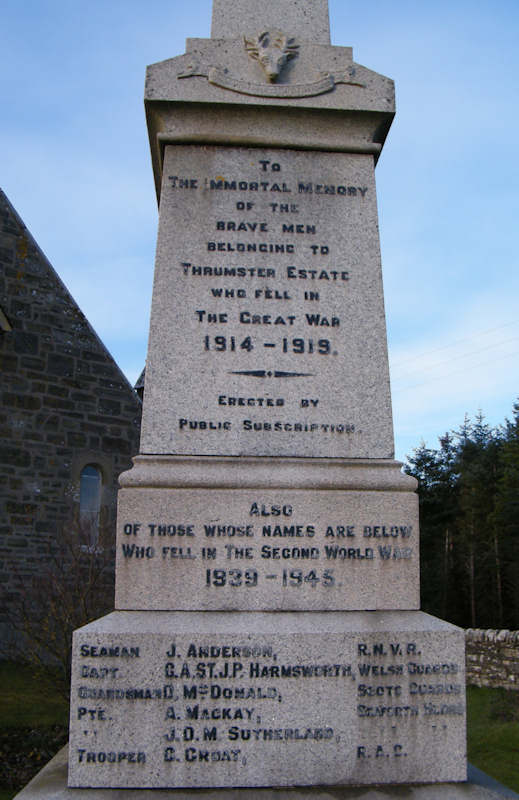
{"x": 74, "y": 161}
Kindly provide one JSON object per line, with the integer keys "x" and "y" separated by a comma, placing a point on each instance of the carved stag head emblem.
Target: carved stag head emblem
{"x": 272, "y": 49}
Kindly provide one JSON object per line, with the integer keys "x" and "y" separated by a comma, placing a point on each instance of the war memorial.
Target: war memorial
{"x": 267, "y": 632}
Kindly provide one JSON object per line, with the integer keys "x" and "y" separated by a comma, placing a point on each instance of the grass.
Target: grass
{"x": 28, "y": 700}
{"x": 493, "y": 733}
{"x": 34, "y": 725}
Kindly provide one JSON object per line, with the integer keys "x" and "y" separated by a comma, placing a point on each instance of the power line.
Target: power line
{"x": 462, "y": 356}
{"x": 455, "y": 343}
{"x": 456, "y": 372}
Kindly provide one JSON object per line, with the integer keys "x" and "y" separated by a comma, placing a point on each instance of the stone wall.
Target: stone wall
{"x": 64, "y": 405}
{"x": 492, "y": 658}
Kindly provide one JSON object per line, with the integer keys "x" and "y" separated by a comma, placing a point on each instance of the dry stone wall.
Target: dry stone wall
{"x": 492, "y": 658}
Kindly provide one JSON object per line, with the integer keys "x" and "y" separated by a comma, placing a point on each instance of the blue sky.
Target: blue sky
{"x": 75, "y": 163}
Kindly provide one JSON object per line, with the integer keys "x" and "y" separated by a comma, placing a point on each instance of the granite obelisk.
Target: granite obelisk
{"x": 267, "y": 630}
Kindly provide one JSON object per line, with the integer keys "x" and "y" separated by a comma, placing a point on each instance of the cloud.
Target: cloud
{"x": 76, "y": 166}
{"x": 470, "y": 365}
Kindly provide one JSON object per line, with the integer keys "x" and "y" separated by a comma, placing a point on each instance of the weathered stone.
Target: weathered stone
{"x": 36, "y": 394}
{"x": 285, "y": 354}
{"x": 302, "y": 19}
{"x": 51, "y": 782}
{"x": 265, "y": 505}
{"x": 490, "y": 662}
{"x": 60, "y": 365}
{"x": 176, "y": 699}
{"x": 263, "y": 549}
{"x": 25, "y": 343}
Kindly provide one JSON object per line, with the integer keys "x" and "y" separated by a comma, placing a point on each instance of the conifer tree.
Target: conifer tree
{"x": 469, "y": 523}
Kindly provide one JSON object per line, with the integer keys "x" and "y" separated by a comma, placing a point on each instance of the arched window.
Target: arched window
{"x": 90, "y": 485}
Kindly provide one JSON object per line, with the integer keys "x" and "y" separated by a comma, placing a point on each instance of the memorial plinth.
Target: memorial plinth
{"x": 267, "y": 630}
{"x": 251, "y": 699}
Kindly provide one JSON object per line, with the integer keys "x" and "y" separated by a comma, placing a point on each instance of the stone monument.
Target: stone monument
{"x": 267, "y": 630}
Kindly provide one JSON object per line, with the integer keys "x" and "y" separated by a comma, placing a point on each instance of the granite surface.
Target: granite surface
{"x": 267, "y": 328}
{"x": 307, "y": 20}
{"x": 255, "y": 550}
{"x": 216, "y": 94}
{"x": 251, "y": 699}
{"x": 265, "y": 495}
{"x": 249, "y": 472}
{"x": 221, "y": 71}
{"x": 51, "y": 784}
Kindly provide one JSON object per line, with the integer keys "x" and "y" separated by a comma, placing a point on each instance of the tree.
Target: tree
{"x": 477, "y": 545}
{"x": 437, "y": 498}
{"x": 506, "y": 519}
{"x": 469, "y": 521}
{"x": 74, "y": 585}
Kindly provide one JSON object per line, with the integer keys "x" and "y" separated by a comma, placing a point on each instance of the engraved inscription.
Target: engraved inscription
{"x": 269, "y": 288}
{"x": 275, "y": 549}
{"x": 206, "y": 703}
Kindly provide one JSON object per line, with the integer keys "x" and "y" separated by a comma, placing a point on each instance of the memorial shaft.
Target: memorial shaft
{"x": 267, "y": 630}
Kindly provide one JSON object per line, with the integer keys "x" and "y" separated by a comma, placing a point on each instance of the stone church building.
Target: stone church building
{"x": 69, "y": 419}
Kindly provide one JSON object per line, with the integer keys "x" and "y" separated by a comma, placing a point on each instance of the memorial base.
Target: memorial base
{"x": 236, "y": 699}
{"x": 51, "y": 784}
